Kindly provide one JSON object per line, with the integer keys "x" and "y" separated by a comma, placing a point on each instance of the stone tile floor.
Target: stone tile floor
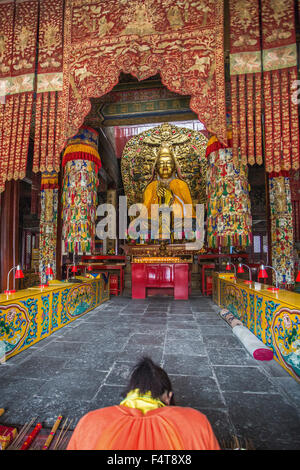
{"x": 86, "y": 364}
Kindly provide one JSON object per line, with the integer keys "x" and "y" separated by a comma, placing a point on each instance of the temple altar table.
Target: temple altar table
{"x": 158, "y": 277}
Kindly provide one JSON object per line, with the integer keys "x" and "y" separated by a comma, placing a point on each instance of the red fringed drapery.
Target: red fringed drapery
{"x": 49, "y": 86}
{"x": 20, "y": 21}
{"x": 279, "y": 75}
{"x": 263, "y": 70}
{"x": 245, "y": 77}
{"x": 184, "y": 43}
{"x": 7, "y": 11}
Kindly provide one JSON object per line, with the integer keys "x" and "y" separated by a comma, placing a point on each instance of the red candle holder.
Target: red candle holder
{"x": 49, "y": 271}
{"x": 262, "y": 273}
{"x": 18, "y": 275}
{"x": 240, "y": 269}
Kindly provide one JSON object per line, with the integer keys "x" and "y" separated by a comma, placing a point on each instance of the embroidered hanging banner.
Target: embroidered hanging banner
{"x": 279, "y": 77}
{"x": 245, "y": 77}
{"x": 48, "y": 223}
{"x": 282, "y": 234}
{"x": 7, "y": 10}
{"x": 184, "y": 43}
{"x": 49, "y": 87}
{"x": 19, "y": 89}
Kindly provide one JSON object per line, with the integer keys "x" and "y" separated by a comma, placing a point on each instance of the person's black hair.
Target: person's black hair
{"x": 148, "y": 376}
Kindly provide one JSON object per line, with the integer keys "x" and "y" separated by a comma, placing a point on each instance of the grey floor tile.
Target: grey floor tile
{"x": 73, "y": 384}
{"x": 61, "y": 349}
{"x": 269, "y": 421}
{"x": 274, "y": 369}
{"x": 135, "y": 352}
{"x": 213, "y": 330}
{"x": 187, "y": 365}
{"x": 97, "y": 360}
{"x": 221, "y": 424}
{"x": 196, "y": 392}
{"x": 15, "y": 390}
{"x": 243, "y": 379}
{"x": 146, "y": 339}
{"x": 181, "y": 318}
{"x": 227, "y": 357}
{"x": 186, "y": 347}
{"x": 182, "y": 325}
{"x": 189, "y": 334}
{"x": 210, "y": 320}
{"x": 37, "y": 367}
{"x": 119, "y": 374}
{"x": 109, "y": 395}
{"x": 291, "y": 388}
{"x": 221, "y": 341}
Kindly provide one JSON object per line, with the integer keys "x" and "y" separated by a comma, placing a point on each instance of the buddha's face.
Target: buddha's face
{"x": 165, "y": 166}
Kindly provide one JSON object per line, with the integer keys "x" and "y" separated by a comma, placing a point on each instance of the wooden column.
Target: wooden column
{"x": 59, "y": 228}
{"x": 9, "y": 232}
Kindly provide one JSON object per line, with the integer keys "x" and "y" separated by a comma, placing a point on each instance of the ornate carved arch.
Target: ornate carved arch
{"x": 184, "y": 45}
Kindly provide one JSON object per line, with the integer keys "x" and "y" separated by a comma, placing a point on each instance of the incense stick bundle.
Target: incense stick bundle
{"x": 62, "y": 434}
{"x": 64, "y": 437}
{"x": 51, "y": 435}
{"x": 31, "y": 437}
{"x": 64, "y": 443}
{"x": 21, "y": 435}
{"x": 237, "y": 444}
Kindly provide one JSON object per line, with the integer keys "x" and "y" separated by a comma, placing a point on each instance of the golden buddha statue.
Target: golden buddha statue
{"x": 168, "y": 189}
{"x": 166, "y": 185}
{"x": 164, "y": 168}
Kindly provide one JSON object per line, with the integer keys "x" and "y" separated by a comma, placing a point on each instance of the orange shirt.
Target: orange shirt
{"x": 122, "y": 428}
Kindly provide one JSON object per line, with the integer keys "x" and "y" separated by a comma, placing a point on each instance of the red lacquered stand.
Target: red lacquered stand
{"x": 114, "y": 264}
{"x": 158, "y": 277}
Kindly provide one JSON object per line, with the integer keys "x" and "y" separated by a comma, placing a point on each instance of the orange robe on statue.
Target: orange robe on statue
{"x": 181, "y": 193}
{"x": 124, "y": 428}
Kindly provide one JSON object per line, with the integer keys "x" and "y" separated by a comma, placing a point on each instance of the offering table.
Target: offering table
{"x": 30, "y": 315}
{"x": 272, "y": 316}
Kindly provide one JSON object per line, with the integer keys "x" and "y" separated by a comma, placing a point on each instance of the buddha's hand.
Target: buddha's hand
{"x": 162, "y": 191}
{"x": 165, "y": 194}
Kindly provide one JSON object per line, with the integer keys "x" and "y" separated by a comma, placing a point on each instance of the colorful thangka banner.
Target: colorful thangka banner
{"x": 183, "y": 42}
{"x": 18, "y": 46}
{"x": 280, "y": 82}
{"x": 229, "y": 220}
{"x": 49, "y": 87}
{"x": 81, "y": 162}
{"x": 246, "y": 81}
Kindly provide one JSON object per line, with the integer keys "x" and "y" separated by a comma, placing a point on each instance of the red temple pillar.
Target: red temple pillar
{"x": 9, "y": 232}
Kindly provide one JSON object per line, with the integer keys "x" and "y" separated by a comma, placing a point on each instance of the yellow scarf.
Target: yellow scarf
{"x": 144, "y": 402}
